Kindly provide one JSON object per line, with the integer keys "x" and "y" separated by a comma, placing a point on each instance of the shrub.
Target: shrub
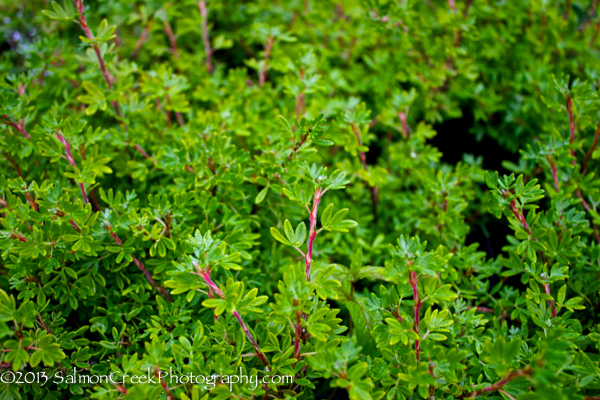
{"x": 221, "y": 188}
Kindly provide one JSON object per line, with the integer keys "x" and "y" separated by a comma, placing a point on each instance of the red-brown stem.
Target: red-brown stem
{"x": 120, "y": 389}
{"x": 74, "y": 225}
{"x": 43, "y": 325}
{"x": 588, "y": 155}
{"x": 211, "y": 296}
{"x": 172, "y": 39}
{"x": 587, "y": 208}
{"x": 205, "y": 274}
{"x": 162, "y": 290}
{"x": 107, "y": 77}
{"x": 205, "y": 37}
{"x": 550, "y": 302}
{"x": 13, "y": 163}
{"x": 593, "y": 8}
{"x": 313, "y": 230}
{"x": 482, "y": 309}
{"x": 142, "y": 152}
{"x": 297, "y": 334}
{"x": 67, "y": 146}
{"x": 139, "y": 264}
{"x": 84, "y": 25}
{"x": 527, "y": 371}
{"x": 259, "y": 352}
{"x": 300, "y": 104}
{"x": 263, "y": 74}
{"x": 177, "y": 114}
{"x": 402, "y": 117}
{"x": 452, "y": 5}
{"x": 297, "y": 147}
{"x": 554, "y": 174}
{"x": 179, "y": 118}
{"x": 140, "y": 41}
{"x": 164, "y": 384}
{"x": 520, "y": 216}
{"x": 31, "y": 201}
{"x": 571, "y": 125}
{"x": 416, "y": 308}
{"x": 18, "y": 127}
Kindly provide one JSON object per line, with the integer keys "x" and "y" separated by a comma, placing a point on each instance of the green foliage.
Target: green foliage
{"x": 216, "y": 188}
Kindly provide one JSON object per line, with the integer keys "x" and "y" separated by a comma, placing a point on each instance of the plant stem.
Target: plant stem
{"x": 550, "y": 302}
{"x": 139, "y": 264}
{"x": 205, "y": 37}
{"x": 519, "y": 214}
{"x": 13, "y": 163}
{"x": 587, "y": 208}
{"x": 67, "y": 146}
{"x": 172, "y": 39}
{"x": 162, "y": 290}
{"x": 263, "y": 74}
{"x": 571, "y": 125}
{"x": 84, "y": 25}
{"x": 313, "y": 230}
{"x": 164, "y": 384}
{"x": 140, "y": 41}
{"x": 402, "y": 117}
{"x": 18, "y": 127}
{"x": 205, "y": 274}
{"x": 527, "y": 371}
{"x": 416, "y": 308}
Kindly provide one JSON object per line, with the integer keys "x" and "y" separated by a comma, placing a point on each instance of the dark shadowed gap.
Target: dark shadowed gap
{"x": 454, "y": 139}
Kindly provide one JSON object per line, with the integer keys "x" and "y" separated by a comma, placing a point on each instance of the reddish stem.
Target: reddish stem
{"x": 416, "y": 308}
{"x": 259, "y": 352}
{"x": 13, "y": 163}
{"x": 172, "y": 39}
{"x": 517, "y": 213}
{"x": 152, "y": 282}
{"x": 67, "y": 146}
{"x": 550, "y": 302}
{"x": 402, "y": 117}
{"x": 313, "y": 230}
{"x": 263, "y": 74}
{"x": 140, "y": 41}
{"x": 107, "y": 77}
{"x": 18, "y": 127}
{"x": 139, "y": 264}
{"x": 571, "y": 125}
{"x": 142, "y": 152}
{"x": 205, "y": 274}
{"x": 211, "y": 296}
{"x": 31, "y": 201}
{"x": 164, "y": 384}
{"x": 587, "y": 208}
{"x": 527, "y": 371}
{"x": 43, "y": 325}
{"x": 205, "y": 37}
